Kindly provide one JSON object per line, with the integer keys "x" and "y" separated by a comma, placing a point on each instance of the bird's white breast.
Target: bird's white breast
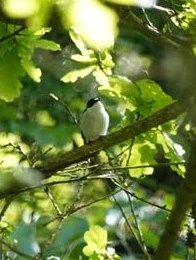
{"x": 94, "y": 122}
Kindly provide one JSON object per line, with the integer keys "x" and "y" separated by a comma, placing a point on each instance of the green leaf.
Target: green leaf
{"x": 152, "y": 97}
{"x": 32, "y": 71}
{"x": 96, "y": 239}
{"x": 25, "y": 235}
{"x": 73, "y": 75}
{"x": 71, "y": 230}
{"x": 10, "y": 73}
{"x": 47, "y": 45}
{"x": 172, "y": 151}
{"x": 106, "y": 61}
{"x": 145, "y": 96}
{"x": 96, "y": 24}
{"x": 100, "y": 76}
{"x": 86, "y": 59}
{"x": 140, "y": 155}
{"x": 78, "y": 41}
{"x": 20, "y": 8}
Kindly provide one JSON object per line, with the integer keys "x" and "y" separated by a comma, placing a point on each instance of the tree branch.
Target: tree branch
{"x": 184, "y": 199}
{"x": 162, "y": 116}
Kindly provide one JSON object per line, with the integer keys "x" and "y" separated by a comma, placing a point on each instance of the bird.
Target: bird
{"x": 94, "y": 120}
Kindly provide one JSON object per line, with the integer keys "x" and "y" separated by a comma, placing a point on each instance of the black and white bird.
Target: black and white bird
{"x": 94, "y": 121}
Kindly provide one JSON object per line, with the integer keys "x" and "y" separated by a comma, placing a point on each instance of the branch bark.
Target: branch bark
{"x": 184, "y": 200}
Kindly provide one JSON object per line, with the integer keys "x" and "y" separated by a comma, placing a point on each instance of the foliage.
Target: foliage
{"x": 55, "y": 55}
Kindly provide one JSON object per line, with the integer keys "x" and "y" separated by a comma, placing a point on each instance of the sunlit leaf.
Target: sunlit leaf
{"x": 100, "y": 77}
{"x": 84, "y": 59}
{"x": 107, "y": 62}
{"x": 78, "y": 41}
{"x": 96, "y": 24}
{"x": 20, "y": 8}
{"x": 96, "y": 239}
{"x": 47, "y": 45}
{"x": 32, "y": 71}
{"x": 140, "y": 155}
{"x": 73, "y": 75}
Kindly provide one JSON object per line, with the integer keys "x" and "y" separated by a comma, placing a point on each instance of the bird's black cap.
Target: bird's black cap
{"x": 92, "y": 101}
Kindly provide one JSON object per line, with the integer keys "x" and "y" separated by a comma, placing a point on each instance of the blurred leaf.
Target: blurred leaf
{"x": 96, "y": 239}
{"x": 106, "y": 61}
{"x": 32, "y": 71}
{"x": 71, "y": 229}
{"x": 171, "y": 152}
{"x": 47, "y": 45}
{"x": 152, "y": 97}
{"x": 10, "y": 86}
{"x": 20, "y": 8}
{"x": 25, "y": 236}
{"x": 80, "y": 43}
{"x": 16, "y": 178}
{"x": 141, "y": 154}
{"x": 96, "y": 24}
{"x": 100, "y": 76}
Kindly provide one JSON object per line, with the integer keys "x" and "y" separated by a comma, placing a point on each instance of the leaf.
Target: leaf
{"x": 96, "y": 24}
{"x": 100, "y": 77}
{"x": 106, "y": 61}
{"x": 140, "y": 155}
{"x": 73, "y": 75}
{"x": 32, "y": 71}
{"x": 25, "y": 235}
{"x": 96, "y": 239}
{"x": 78, "y": 41}
{"x": 72, "y": 229}
{"x": 20, "y": 8}
{"x": 171, "y": 153}
{"x": 152, "y": 97}
{"x": 10, "y": 73}
{"x": 47, "y": 45}
{"x": 86, "y": 59}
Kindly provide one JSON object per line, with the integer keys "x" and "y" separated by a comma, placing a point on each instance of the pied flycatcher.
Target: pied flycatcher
{"x": 94, "y": 120}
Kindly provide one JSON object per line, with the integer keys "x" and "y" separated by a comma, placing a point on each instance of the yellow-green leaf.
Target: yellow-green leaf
{"x": 20, "y": 8}
{"x": 32, "y": 71}
{"x": 93, "y": 21}
{"x": 73, "y": 75}
{"x": 47, "y": 45}
{"x": 96, "y": 239}
{"x": 10, "y": 73}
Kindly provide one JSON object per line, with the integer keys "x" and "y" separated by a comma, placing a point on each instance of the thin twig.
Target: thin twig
{"x": 5, "y": 207}
{"x": 12, "y": 34}
{"x": 146, "y": 255}
{"x": 56, "y": 207}
{"x": 118, "y": 168}
{"x": 66, "y": 108}
{"x": 136, "y": 223}
{"x": 147, "y": 19}
{"x": 141, "y": 199}
{"x": 88, "y": 204}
